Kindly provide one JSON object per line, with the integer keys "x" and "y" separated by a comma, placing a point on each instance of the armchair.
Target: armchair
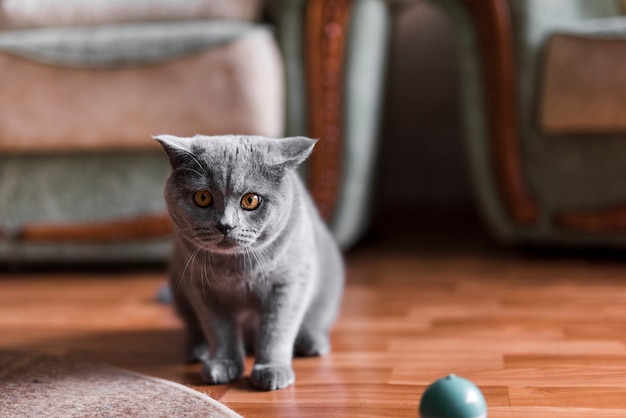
{"x": 543, "y": 89}
{"x": 82, "y": 91}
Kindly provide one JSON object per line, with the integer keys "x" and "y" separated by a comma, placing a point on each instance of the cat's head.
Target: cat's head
{"x": 231, "y": 194}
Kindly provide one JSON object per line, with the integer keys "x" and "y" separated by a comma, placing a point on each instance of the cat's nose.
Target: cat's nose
{"x": 224, "y": 228}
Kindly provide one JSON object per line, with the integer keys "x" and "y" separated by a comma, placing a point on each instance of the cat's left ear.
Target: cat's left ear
{"x": 177, "y": 148}
{"x": 291, "y": 152}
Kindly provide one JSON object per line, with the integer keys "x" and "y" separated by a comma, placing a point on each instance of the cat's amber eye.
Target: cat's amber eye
{"x": 250, "y": 201}
{"x": 202, "y": 198}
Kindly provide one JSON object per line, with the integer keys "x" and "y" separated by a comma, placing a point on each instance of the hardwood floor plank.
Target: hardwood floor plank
{"x": 570, "y": 397}
{"x": 553, "y": 412}
{"x": 506, "y": 344}
{"x": 574, "y": 377}
{"x": 513, "y": 361}
{"x": 421, "y": 359}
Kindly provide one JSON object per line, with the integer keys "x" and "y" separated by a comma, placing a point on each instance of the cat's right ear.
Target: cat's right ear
{"x": 177, "y": 148}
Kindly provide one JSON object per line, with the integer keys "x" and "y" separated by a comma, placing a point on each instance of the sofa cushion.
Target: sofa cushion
{"x": 584, "y": 86}
{"x": 231, "y": 87}
{"x": 50, "y": 13}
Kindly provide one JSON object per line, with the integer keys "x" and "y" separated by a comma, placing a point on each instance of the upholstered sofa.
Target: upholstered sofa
{"x": 83, "y": 86}
{"x": 543, "y": 100}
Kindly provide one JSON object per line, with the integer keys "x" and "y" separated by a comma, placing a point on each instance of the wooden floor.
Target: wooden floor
{"x": 542, "y": 335}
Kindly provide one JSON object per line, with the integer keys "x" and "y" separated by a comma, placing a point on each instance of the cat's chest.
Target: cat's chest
{"x": 233, "y": 276}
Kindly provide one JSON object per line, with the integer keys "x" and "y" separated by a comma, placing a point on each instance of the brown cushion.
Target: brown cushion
{"x": 584, "y": 85}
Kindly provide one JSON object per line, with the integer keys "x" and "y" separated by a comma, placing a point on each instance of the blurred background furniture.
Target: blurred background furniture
{"x": 486, "y": 105}
{"x": 85, "y": 84}
{"x": 542, "y": 100}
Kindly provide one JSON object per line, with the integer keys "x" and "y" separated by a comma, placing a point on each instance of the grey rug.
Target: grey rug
{"x": 38, "y": 385}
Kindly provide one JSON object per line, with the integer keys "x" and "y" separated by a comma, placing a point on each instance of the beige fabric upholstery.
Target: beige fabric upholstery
{"x": 584, "y": 85}
{"x": 51, "y": 13}
{"x": 235, "y": 88}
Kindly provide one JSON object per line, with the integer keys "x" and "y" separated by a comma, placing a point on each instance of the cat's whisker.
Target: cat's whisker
{"x": 203, "y": 273}
{"x": 181, "y": 276}
{"x": 193, "y": 171}
{"x": 204, "y": 237}
{"x": 203, "y": 175}
{"x": 250, "y": 270}
{"x": 210, "y": 265}
{"x": 199, "y": 165}
{"x": 167, "y": 237}
{"x": 260, "y": 263}
{"x": 193, "y": 270}
{"x": 244, "y": 258}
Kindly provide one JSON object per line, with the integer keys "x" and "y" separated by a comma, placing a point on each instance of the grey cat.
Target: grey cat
{"x": 254, "y": 266}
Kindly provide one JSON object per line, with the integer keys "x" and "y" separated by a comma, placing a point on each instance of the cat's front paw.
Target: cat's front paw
{"x": 217, "y": 372}
{"x": 272, "y": 376}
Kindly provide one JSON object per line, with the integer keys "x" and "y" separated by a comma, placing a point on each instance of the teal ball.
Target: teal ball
{"x": 453, "y": 397}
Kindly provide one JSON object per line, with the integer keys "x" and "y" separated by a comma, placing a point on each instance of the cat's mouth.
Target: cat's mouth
{"x": 226, "y": 243}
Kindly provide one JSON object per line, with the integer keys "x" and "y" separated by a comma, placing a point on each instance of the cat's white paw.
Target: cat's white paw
{"x": 272, "y": 376}
{"x": 217, "y": 372}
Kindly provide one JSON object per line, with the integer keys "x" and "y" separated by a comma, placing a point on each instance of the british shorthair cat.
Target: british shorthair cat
{"x": 254, "y": 266}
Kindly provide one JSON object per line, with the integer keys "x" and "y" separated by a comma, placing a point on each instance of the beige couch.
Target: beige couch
{"x": 85, "y": 84}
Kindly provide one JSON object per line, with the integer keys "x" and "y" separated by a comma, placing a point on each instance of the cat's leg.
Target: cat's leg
{"x": 225, "y": 361}
{"x": 313, "y": 336}
{"x": 226, "y": 355}
{"x": 280, "y": 321}
{"x": 180, "y": 276}
{"x": 249, "y": 328}
{"x": 312, "y": 341}
{"x": 196, "y": 348}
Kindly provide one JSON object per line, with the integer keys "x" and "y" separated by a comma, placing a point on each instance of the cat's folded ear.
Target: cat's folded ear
{"x": 292, "y": 151}
{"x": 178, "y": 149}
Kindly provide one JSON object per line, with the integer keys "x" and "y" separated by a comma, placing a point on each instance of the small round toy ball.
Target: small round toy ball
{"x": 453, "y": 397}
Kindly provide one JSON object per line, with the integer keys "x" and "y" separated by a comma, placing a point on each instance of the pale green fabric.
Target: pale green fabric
{"x": 366, "y": 53}
{"x": 563, "y": 172}
{"x": 473, "y": 112}
{"x": 290, "y": 36}
{"x": 365, "y": 73}
{"x": 80, "y": 187}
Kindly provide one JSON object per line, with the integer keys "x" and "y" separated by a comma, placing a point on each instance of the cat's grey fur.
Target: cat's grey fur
{"x": 269, "y": 279}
